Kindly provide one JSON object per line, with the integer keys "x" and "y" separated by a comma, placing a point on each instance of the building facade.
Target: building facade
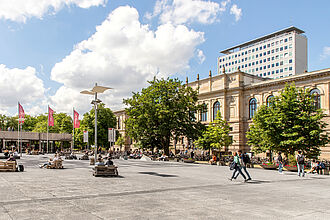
{"x": 238, "y": 96}
{"x": 276, "y": 55}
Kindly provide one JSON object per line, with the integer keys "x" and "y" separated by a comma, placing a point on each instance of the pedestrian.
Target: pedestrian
{"x": 244, "y": 160}
{"x": 300, "y": 163}
{"x": 237, "y": 168}
{"x": 280, "y": 162}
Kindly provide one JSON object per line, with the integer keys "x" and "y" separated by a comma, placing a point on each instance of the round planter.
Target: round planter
{"x": 188, "y": 161}
{"x": 270, "y": 166}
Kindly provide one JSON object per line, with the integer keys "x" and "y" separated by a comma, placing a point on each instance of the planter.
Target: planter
{"x": 188, "y": 160}
{"x": 269, "y": 166}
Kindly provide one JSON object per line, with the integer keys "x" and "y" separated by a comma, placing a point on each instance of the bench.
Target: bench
{"x": 55, "y": 165}
{"x": 105, "y": 170}
{"x": 7, "y": 166}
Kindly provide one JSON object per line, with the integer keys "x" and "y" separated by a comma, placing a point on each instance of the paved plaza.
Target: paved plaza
{"x": 159, "y": 190}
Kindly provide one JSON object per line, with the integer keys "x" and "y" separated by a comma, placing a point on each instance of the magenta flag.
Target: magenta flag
{"x": 50, "y": 117}
{"x": 76, "y": 122}
{"x": 21, "y": 114}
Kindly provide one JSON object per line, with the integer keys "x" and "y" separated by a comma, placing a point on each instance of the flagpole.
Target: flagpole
{"x": 72, "y": 146}
{"x": 47, "y": 128}
{"x": 18, "y": 130}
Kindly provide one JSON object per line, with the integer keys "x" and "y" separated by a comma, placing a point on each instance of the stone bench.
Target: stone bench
{"x": 9, "y": 166}
{"x": 55, "y": 165}
{"x": 105, "y": 170}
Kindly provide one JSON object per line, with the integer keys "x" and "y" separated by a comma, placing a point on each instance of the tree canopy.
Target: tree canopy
{"x": 105, "y": 119}
{"x": 291, "y": 122}
{"x": 216, "y": 135}
{"x": 161, "y": 112}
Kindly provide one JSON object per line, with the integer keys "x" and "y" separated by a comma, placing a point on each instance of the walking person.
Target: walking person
{"x": 300, "y": 163}
{"x": 280, "y": 162}
{"x": 237, "y": 168}
{"x": 244, "y": 160}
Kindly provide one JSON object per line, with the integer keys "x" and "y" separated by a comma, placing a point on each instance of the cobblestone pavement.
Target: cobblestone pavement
{"x": 159, "y": 190}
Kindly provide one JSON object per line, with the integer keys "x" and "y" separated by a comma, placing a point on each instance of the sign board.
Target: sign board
{"x": 85, "y": 136}
{"x": 111, "y": 135}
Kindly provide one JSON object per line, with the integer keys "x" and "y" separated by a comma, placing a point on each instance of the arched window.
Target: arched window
{"x": 204, "y": 113}
{"x": 269, "y": 100}
{"x": 252, "y": 107}
{"x": 316, "y": 97}
{"x": 216, "y": 109}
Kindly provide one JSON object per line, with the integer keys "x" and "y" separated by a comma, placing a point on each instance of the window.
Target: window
{"x": 273, "y": 72}
{"x": 216, "y": 109}
{"x": 252, "y": 50}
{"x": 203, "y": 113}
{"x": 269, "y": 100}
{"x": 268, "y": 52}
{"x": 118, "y": 126}
{"x": 257, "y": 56}
{"x": 276, "y": 49}
{"x": 252, "y": 107}
{"x": 264, "y": 67}
{"x": 272, "y": 51}
{"x": 273, "y": 65}
{"x": 257, "y": 62}
{"x": 281, "y": 48}
{"x": 277, "y": 64}
{"x": 290, "y": 61}
{"x": 286, "y": 40}
{"x": 268, "y": 73}
{"x": 268, "y": 45}
{"x": 286, "y": 47}
{"x": 281, "y": 63}
{"x": 260, "y": 48}
{"x": 264, "y": 53}
{"x": 260, "y": 61}
{"x": 264, "y": 60}
{"x": 264, "y": 74}
{"x": 290, "y": 68}
{"x": 281, "y": 70}
{"x": 268, "y": 66}
{"x": 276, "y": 71}
{"x": 290, "y": 38}
{"x": 264, "y": 46}
{"x": 316, "y": 98}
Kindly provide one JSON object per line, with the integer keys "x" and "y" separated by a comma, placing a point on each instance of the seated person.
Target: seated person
{"x": 314, "y": 166}
{"x": 99, "y": 161}
{"x": 6, "y": 153}
{"x": 16, "y": 154}
{"x": 109, "y": 162}
{"x": 163, "y": 157}
{"x": 73, "y": 156}
{"x": 321, "y": 166}
{"x": 213, "y": 160}
{"x": 11, "y": 158}
{"x": 49, "y": 162}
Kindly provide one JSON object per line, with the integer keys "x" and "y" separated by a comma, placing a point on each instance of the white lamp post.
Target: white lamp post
{"x": 96, "y": 89}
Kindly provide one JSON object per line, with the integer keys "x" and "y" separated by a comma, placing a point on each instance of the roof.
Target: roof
{"x": 286, "y": 30}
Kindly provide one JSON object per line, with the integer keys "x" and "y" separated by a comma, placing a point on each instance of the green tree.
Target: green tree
{"x": 105, "y": 119}
{"x": 120, "y": 141}
{"x": 216, "y": 135}
{"x": 162, "y": 111}
{"x": 289, "y": 124}
{"x": 29, "y": 123}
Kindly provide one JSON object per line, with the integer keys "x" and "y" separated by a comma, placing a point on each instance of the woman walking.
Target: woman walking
{"x": 237, "y": 168}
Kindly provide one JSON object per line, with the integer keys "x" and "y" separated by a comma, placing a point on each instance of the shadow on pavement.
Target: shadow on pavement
{"x": 257, "y": 181}
{"x": 158, "y": 174}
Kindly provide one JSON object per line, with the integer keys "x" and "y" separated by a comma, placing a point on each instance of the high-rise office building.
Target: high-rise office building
{"x": 276, "y": 55}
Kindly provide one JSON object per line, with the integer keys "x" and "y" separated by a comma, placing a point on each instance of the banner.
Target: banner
{"x": 50, "y": 117}
{"x": 112, "y": 135}
{"x": 76, "y": 122}
{"x": 85, "y": 136}
{"x": 21, "y": 114}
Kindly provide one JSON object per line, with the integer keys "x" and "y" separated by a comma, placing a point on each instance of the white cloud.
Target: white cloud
{"x": 187, "y": 11}
{"x": 236, "y": 11}
{"x": 123, "y": 54}
{"x": 21, "y": 10}
{"x": 19, "y": 85}
{"x": 326, "y": 53}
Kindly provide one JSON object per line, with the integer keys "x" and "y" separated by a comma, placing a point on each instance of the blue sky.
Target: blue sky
{"x": 51, "y": 50}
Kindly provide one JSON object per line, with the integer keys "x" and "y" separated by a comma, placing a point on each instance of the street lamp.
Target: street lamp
{"x": 96, "y": 89}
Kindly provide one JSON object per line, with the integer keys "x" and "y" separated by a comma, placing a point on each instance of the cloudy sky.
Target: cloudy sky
{"x": 50, "y": 50}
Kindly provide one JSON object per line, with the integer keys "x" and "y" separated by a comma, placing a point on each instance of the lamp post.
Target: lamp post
{"x": 96, "y": 89}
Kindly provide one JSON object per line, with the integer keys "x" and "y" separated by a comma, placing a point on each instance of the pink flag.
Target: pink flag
{"x": 21, "y": 114}
{"x": 50, "y": 117}
{"x": 76, "y": 122}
